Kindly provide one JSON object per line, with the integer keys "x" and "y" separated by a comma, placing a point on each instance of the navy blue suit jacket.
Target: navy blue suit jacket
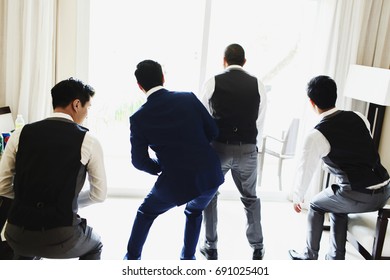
{"x": 179, "y": 129}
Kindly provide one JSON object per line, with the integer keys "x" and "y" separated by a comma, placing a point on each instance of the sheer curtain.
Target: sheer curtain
{"x": 374, "y": 50}
{"x": 351, "y": 32}
{"x": 374, "y": 44}
{"x": 28, "y": 56}
{"x": 347, "y": 32}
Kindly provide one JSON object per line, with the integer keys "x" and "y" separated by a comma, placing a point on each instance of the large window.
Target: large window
{"x": 122, "y": 33}
{"x": 188, "y": 38}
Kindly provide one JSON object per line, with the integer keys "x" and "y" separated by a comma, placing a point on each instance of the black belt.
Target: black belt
{"x": 374, "y": 191}
{"x": 34, "y": 227}
{"x": 232, "y": 142}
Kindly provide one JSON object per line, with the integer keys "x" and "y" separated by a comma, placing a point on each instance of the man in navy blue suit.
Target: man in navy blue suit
{"x": 179, "y": 129}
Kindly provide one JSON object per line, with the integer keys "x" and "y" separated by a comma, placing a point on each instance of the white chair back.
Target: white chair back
{"x": 290, "y": 140}
{"x": 6, "y": 120}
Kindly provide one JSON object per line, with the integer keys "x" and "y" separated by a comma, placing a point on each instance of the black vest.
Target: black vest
{"x": 353, "y": 157}
{"x": 235, "y": 106}
{"x": 48, "y": 175}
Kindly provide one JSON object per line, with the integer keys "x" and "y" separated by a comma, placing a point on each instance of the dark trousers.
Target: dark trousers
{"x": 5, "y": 205}
{"x": 79, "y": 241}
{"x": 152, "y": 207}
{"x": 6, "y": 253}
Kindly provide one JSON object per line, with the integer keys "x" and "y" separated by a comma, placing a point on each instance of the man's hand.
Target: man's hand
{"x": 297, "y": 207}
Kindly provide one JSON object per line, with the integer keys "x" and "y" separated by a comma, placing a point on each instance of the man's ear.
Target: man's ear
{"x": 315, "y": 107}
{"x": 76, "y": 104}
{"x": 225, "y": 64}
{"x": 141, "y": 88}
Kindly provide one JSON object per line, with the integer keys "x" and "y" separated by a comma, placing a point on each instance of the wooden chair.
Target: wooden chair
{"x": 282, "y": 148}
{"x": 368, "y": 234}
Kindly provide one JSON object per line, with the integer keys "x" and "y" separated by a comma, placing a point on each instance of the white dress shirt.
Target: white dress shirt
{"x": 91, "y": 156}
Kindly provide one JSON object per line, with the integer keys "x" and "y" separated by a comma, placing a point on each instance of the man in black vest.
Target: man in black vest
{"x": 343, "y": 141}
{"x": 237, "y": 102}
{"x": 43, "y": 169}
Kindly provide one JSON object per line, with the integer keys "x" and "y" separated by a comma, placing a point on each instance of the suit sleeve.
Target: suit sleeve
{"x": 140, "y": 151}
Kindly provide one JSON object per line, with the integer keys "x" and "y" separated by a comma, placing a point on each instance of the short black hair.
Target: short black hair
{"x": 70, "y": 89}
{"x": 149, "y": 74}
{"x": 235, "y": 55}
{"x": 323, "y": 91}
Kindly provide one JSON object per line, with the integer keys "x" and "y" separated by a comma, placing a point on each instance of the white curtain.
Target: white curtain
{"x": 339, "y": 25}
{"x": 374, "y": 44}
{"x": 27, "y": 56}
{"x": 374, "y": 50}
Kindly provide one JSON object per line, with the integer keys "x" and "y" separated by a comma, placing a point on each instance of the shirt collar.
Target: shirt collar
{"x": 153, "y": 90}
{"x": 234, "y": 67}
{"x": 61, "y": 115}
{"x": 327, "y": 113}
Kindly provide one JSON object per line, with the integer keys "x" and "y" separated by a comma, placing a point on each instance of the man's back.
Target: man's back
{"x": 353, "y": 156}
{"x": 177, "y": 127}
{"x": 175, "y": 119}
{"x": 174, "y": 125}
{"x": 235, "y": 106}
{"x": 45, "y": 187}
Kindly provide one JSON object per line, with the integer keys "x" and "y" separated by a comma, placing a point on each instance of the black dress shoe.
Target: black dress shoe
{"x": 210, "y": 254}
{"x": 258, "y": 254}
{"x": 294, "y": 255}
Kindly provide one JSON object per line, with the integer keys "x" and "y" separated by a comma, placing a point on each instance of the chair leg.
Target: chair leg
{"x": 280, "y": 162}
{"x": 260, "y": 164}
{"x": 380, "y": 233}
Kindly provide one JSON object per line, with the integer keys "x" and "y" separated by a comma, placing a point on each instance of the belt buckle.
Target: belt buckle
{"x": 378, "y": 190}
{"x": 237, "y": 143}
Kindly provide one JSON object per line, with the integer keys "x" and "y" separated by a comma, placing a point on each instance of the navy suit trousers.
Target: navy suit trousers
{"x": 152, "y": 207}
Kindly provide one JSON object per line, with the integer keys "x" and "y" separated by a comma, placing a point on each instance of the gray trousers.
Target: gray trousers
{"x": 241, "y": 160}
{"x": 338, "y": 203}
{"x": 58, "y": 243}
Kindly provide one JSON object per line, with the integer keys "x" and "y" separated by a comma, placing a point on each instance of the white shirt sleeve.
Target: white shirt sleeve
{"x": 315, "y": 147}
{"x": 207, "y": 93}
{"x": 261, "y": 118}
{"x": 92, "y": 157}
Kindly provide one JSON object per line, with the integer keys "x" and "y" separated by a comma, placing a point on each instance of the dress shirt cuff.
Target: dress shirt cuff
{"x": 297, "y": 198}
